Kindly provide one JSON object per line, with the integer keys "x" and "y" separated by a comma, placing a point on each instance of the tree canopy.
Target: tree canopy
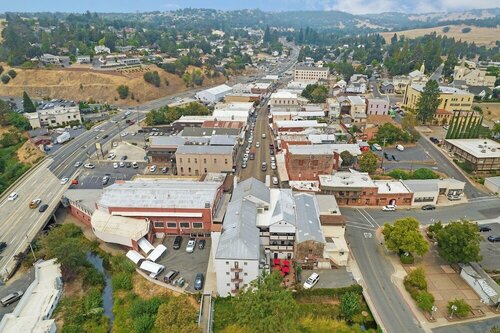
{"x": 315, "y": 93}
{"x": 405, "y": 236}
{"x": 368, "y": 162}
{"x": 458, "y": 242}
{"x": 28, "y": 105}
{"x": 392, "y": 134}
{"x": 429, "y": 101}
{"x": 166, "y": 115}
{"x": 347, "y": 158}
{"x": 171, "y": 319}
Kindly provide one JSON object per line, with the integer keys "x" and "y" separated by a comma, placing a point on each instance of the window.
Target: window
{"x": 245, "y": 274}
{"x": 228, "y": 284}
{"x": 225, "y": 161}
{"x": 227, "y": 273}
{"x": 205, "y": 160}
{"x": 227, "y": 262}
{"x": 195, "y": 160}
{"x": 182, "y": 169}
{"x": 197, "y": 225}
{"x": 215, "y": 161}
{"x": 189, "y": 160}
{"x": 180, "y": 160}
{"x": 159, "y": 224}
{"x": 171, "y": 224}
{"x": 184, "y": 225}
{"x": 245, "y": 263}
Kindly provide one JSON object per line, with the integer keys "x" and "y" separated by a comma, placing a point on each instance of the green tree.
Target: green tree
{"x": 177, "y": 315}
{"x": 28, "y": 105}
{"x": 424, "y": 173}
{"x": 315, "y": 93}
{"x": 349, "y": 305}
{"x": 415, "y": 280}
{"x": 425, "y": 300}
{"x": 347, "y": 158}
{"x": 5, "y": 79}
{"x": 392, "y": 134}
{"x": 462, "y": 308}
{"x": 19, "y": 121}
{"x": 368, "y": 162}
{"x": 429, "y": 101}
{"x": 458, "y": 242}
{"x": 12, "y": 73}
{"x": 405, "y": 236}
{"x": 153, "y": 78}
{"x": 409, "y": 121}
{"x": 123, "y": 91}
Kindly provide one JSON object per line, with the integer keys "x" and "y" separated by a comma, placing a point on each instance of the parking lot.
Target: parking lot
{"x": 188, "y": 264}
{"x": 133, "y": 152}
{"x": 412, "y": 157}
{"x": 92, "y": 178}
{"x": 490, "y": 251}
{"x": 330, "y": 278}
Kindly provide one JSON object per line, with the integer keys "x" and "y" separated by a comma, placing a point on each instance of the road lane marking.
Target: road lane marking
{"x": 363, "y": 215}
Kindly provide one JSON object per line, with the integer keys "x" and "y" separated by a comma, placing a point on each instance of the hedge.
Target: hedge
{"x": 333, "y": 292}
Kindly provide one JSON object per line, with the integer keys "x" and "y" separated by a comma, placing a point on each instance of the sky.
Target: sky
{"x": 351, "y": 6}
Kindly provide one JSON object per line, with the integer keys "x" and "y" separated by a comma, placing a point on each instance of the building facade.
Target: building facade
{"x": 55, "y": 117}
{"x": 377, "y": 106}
{"x": 310, "y": 73}
{"x": 452, "y": 99}
{"x": 195, "y": 160}
{"x": 480, "y": 155}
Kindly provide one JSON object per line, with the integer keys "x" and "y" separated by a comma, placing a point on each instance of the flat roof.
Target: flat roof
{"x": 327, "y": 204}
{"x": 284, "y": 94}
{"x": 312, "y": 68}
{"x": 201, "y": 149}
{"x": 128, "y": 227}
{"x": 442, "y": 89}
{"x": 480, "y": 148}
{"x": 218, "y": 89}
{"x": 298, "y": 123}
{"x": 345, "y": 179}
{"x": 386, "y": 187}
{"x": 160, "y": 193}
{"x": 324, "y": 149}
{"x": 356, "y": 100}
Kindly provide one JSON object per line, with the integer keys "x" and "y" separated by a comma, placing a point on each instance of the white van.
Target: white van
{"x": 311, "y": 281}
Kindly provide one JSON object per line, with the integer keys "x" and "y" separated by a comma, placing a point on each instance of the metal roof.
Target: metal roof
{"x": 195, "y": 149}
{"x": 253, "y": 188}
{"x": 421, "y": 185}
{"x": 160, "y": 193}
{"x": 307, "y": 216}
{"x": 201, "y": 131}
{"x": 284, "y": 211}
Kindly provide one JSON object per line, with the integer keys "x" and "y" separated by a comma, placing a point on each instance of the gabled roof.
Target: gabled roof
{"x": 252, "y": 190}
{"x": 284, "y": 211}
{"x": 307, "y": 217}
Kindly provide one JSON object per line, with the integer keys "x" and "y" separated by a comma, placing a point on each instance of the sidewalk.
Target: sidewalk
{"x": 210, "y": 277}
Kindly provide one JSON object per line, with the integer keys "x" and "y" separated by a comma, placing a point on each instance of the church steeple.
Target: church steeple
{"x": 422, "y": 68}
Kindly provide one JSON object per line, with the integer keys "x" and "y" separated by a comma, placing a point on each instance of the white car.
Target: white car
{"x": 124, "y": 134}
{"x": 191, "y": 245}
{"x": 311, "y": 281}
{"x": 89, "y": 166}
{"x": 377, "y": 146}
{"x": 273, "y": 166}
{"x": 122, "y": 164}
{"x": 247, "y": 150}
{"x": 245, "y": 156}
{"x": 115, "y": 165}
{"x": 275, "y": 181}
{"x": 77, "y": 164}
{"x": 115, "y": 144}
{"x": 111, "y": 156}
{"x": 152, "y": 168}
{"x": 13, "y": 196}
{"x": 257, "y": 144}
{"x": 389, "y": 208}
{"x": 400, "y": 147}
{"x": 64, "y": 181}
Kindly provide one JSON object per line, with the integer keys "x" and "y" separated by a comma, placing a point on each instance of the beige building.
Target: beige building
{"x": 452, "y": 99}
{"x": 309, "y": 73}
{"x": 54, "y": 117}
{"x": 473, "y": 77}
{"x": 195, "y": 160}
{"x": 286, "y": 98}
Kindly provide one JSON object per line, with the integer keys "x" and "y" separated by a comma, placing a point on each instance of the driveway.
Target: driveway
{"x": 188, "y": 264}
{"x": 92, "y": 178}
{"x": 22, "y": 283}
{"x": 331, "y": 278}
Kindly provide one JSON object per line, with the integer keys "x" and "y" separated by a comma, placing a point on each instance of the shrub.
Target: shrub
{"x": 153, "y": 78}
{"x": 462, "y": 310}
{"x": 12, "y": 73}
{"x": 93, "y": 277}
{"x": 332, "y": 292}
{"x": 406, "y": 258}
{"x": 466, "y": 30}
{"x": 122, "y": 91}
{"x": 416, "y": 279}
{"x": 425, "y": 300}
{"x": 446, "y": 29}
{"x": 122, "y": 280}
{"x": 5, "y": 79}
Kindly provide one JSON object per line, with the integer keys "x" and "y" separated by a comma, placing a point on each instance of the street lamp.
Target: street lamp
{"x": 31, "y": 247}
{"x": 383, "y": 149}
{"x": 433, "y": 309}
{"x": 453, "y": 309}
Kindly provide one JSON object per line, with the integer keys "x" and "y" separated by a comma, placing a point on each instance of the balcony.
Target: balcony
{"x": 237, "y": 280}
{"x": 236, "y": 269}
{"x": 281, "y": 247}
{"x": 274, "y": 237}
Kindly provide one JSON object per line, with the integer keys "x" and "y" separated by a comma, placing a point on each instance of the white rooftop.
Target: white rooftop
{"x": 324, "y": 149}
{"x": 284, "y": 94}
{"x": 346, "y": 180}
{"x": 480, "y": 148}
{"x": 442, "y": 89}
{"x": 219, "y": 89}
{"x": 298, "y": 123}
{"x": 160, "y": 193}
{"x": 127, "y": 227}
{"x": 356, "y": 100}
{"x": 235, "y": 106}
{"x": 386, "y": 187}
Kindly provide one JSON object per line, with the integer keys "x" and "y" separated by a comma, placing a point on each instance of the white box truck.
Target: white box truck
{"x": 63, "y": 138}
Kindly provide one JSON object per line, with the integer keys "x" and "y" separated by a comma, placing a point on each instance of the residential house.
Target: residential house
{"x": 377, "y": 106}
{"x": 387, "y": 87}
{"x": 400, "y": 82}
{"x": 101, "y": 49}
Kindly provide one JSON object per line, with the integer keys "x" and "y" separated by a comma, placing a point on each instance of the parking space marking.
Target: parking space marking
{"x": 365, "y": 218}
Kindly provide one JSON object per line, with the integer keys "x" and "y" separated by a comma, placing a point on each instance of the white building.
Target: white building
{"x": 49, "y": 59}
{"x": 32, "y": 313}
{"x": 101, "y": 49}
{"x": 213, "y": 95}
{"x": 286, "y": 98}
{"x": 310, "y": 73}
{"x": 492, "y": 184}
{"x": 54, "y": 117}
{"x": 473, "y": 77}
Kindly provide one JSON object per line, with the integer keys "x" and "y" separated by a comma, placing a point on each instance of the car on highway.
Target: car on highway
{"x": 389, "y": 208}
{"x": 198, "y": 281}
{"x": 152, "y": 168}
{"x": 3, "y": 245}
{"x": 89, "y": 166}
{"x": 43, "y": 208}
{"x": 428, "y": 207}
{"x": 311, "y": 281}
{"x": 191, "y": 245}
{"x": 484, "y": 228}
{"x": 64, "y": 181}
{"x": 400, "y": 147}
{"x": 105, "y": 179}
{"x": 264, "y": 166}
{"x": 115, "y": 165}
{"x": 13, "y": 196}
{"x": 177, "y": 242}
{"x": 78, "y": 164}
{"x": 494, "y": 239}
{"x": 35, "y": 203}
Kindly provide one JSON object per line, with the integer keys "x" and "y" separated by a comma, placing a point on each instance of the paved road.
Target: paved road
{"x": 19, "y": 284}
{"x": 483, "y": 326}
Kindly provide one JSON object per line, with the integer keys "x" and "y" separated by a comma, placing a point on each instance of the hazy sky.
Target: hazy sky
{"x": 352, "y": 6}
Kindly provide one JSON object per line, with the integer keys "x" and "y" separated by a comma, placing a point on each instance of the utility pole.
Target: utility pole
{"x": 119, "y": 130}
{"x": 31, "y": 247}
{"x": 383, "y": 148}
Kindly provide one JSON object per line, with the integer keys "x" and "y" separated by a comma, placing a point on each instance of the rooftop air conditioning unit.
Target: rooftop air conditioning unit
{"x": 483, "y": 151}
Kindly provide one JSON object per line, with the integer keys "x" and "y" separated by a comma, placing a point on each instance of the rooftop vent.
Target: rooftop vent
{"x": 483, "y": 151}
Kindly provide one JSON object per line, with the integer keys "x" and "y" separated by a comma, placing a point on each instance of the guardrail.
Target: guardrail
{"x": 24, "y": 175}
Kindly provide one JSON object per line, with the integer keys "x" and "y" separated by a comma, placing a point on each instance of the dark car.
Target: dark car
{"x": 394, "y": 158}
{"x": 198, "y": 281}
{"x": 494, "y": 239}
{"x": 428, "y": 207}
{"x": 105, "y": 136}
{"x": 177, "y": 242}
{"x": 484, "y": 229}
{"x": 128, "y": 164}
{"x": 164, "y": 170}
{"x": 3, "y": 245}
{"x": 201, "y": 244}
{"x": 434, "y": 140}
{"x": 170, "y": 276}
{"x": 387, "y": 157}
{"x": 43, "y": 208}
{"x": 271, "y": 151}
{"x": 124, "y": 157}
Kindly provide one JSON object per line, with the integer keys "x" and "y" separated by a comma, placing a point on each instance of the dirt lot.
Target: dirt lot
{"x": 479, "y": 35}
{"x": 491, "y": 111}
{"x": 29, "y": 153}
{"x": 82, "y": 84}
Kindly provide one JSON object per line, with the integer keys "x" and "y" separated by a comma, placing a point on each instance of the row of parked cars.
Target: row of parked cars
{"x": 190, "y": 246}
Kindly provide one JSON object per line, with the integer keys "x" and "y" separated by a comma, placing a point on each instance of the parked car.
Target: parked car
{"x": 64, "y": 181}
{"x": 191, "y": 245}
{"x": 89, "y": 166}
{"x": 389, "y": 208}
{"x": 273, "y": 166}
{"x": 453, "y": 197}
{"x": 394, "y": 158}
{"x": 244, "y": 164}
{"x": 35, "y": 203}
{"x": 201, "y": 244}
{"x": 43, "y": 208}
{"x": 198, "y": 281}
{"x": 257, "y": 144}
{"x": 128, "y": 164}
{"x": 115, "y": 144}
{"x": 434, "y": 140}
{"x": 311, "y": 281}
{"x": 105, "y": 180}
{"x": 11, "y": 298}
{"x": 122, "y": 164}
{"x": 484, "y": 228}
{"x": 115, "y": 165}
{"x": 13, "y": 196}
{"x": 124, "y": 158}
{"x": 177, "y": 242}
{"x": 275, "y": 181}
{"x": 170, "y": 276}
{"x": 111, "y": 156}
{"x": 135, "y": 165}
{"x": 252, "y": 156}
{"x": 3, "y": 245}
{"x": 263, "y": 135}
{"x": 494, "y": 239}
{"x": 264, "y": 166}
{"x": 428, "y": 207}
{"x": 164, "y": 170}
{"x": 400, "y": 147}
{"x": 271, "y": 151}
{"x": 152, "y": 168}
{"x": 376, "y": 146}
{"x": 387, "y": 157}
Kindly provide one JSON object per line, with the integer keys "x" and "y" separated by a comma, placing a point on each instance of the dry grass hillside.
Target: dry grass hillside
{"x": 84, "y": 84}
{"x": 479, "y": 35}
